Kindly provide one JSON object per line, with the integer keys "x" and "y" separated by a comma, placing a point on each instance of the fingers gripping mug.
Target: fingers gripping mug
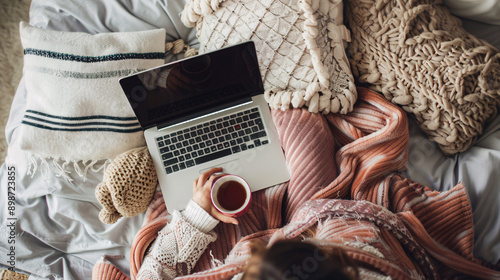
{"x": 231, "y": 195}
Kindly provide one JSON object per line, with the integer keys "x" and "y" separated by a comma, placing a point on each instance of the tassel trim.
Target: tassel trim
{"x": 38, "y": 163}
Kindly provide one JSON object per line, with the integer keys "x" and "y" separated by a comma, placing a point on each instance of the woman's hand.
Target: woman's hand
{"x": 201, "y": 194}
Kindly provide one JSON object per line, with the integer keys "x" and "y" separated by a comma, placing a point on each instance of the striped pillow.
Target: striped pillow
{"x": 76, "y": 110}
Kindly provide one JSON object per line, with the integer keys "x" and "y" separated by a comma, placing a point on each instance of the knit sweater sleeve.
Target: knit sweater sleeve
{"x": 179, "y": 244}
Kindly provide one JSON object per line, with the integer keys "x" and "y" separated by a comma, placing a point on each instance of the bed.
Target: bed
{"x": 57, "y": 231}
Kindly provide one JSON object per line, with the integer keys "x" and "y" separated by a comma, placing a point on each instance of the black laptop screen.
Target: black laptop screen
{"x": 195, "y": 86}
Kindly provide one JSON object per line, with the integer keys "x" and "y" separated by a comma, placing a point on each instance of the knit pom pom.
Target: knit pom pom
{"x": 11, "y": 275}
{"x": 128, "y": 185}
{"x": 109, "y": 217}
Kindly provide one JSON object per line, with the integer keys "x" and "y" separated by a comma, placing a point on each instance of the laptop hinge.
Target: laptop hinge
{"x": 191, "y": 118}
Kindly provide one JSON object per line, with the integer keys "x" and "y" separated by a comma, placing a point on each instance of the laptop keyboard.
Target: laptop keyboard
{"x": 201, "y": 143}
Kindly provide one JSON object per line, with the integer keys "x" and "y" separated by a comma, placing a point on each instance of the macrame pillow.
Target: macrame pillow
{"x": 300, "y": 46}
{"x": 418, "y": 55}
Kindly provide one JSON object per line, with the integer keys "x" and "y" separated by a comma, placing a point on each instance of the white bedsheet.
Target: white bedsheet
{"x": 487, "y": 11}
{"x": 477, "y": 168}
{"x": 58, "y": 233}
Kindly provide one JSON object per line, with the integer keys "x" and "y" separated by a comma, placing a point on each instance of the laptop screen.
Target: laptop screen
{"x": 195, "y": 86}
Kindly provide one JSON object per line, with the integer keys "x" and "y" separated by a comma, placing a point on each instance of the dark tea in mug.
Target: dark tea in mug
{"x": 231, "y": 195}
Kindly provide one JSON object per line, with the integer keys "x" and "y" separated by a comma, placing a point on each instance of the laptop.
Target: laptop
{"x": 207, "y": 111}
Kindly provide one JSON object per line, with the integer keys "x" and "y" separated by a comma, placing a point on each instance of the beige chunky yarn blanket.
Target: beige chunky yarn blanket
{"x": 419, "y": 56}
{"x": 300, "y": 46}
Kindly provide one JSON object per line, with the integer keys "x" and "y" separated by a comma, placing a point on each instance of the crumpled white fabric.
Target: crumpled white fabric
{"x": 487, "y": 11}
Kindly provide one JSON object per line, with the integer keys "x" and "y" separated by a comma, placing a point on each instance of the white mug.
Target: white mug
{"x": 231, "y": 195}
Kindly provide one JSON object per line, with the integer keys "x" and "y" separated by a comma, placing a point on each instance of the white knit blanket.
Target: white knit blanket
{"x": 76, "y": 110}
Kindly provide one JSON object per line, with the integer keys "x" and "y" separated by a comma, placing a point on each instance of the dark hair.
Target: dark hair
{"x": 301, "y": 260}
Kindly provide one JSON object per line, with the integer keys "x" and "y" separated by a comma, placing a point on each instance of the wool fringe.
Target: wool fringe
{"x": 41, "y": 164}
{"x": 214, "y": 261}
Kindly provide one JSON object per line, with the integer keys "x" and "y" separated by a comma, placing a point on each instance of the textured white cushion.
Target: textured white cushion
{"x": 300, "y": 46}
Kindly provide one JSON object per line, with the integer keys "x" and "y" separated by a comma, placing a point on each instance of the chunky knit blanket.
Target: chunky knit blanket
{"x": 345, "y": 187}
{"x": 418, "y": 55}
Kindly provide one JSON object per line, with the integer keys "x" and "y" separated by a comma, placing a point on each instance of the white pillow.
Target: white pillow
{"x": 76, "y": 110}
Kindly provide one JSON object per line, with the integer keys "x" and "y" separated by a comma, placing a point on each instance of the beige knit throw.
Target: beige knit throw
{"x": 300, "y": 46}
{"x": 418, "y": 55}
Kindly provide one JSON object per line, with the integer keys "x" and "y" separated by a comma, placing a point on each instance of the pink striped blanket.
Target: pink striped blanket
{"x": 345, "y": 185}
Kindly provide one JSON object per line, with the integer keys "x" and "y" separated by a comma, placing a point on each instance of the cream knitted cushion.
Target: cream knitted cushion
{"x": 418, "y": 55}
{"x": 300, "y": 46}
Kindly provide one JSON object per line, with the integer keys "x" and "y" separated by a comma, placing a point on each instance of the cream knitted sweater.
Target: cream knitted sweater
{"x": 179, "y": 244}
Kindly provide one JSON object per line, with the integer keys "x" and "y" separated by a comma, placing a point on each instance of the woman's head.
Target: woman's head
{"x": 297, "y": 260}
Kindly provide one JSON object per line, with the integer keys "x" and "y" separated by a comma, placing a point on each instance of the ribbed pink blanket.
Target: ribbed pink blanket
{"x": 345, "y": 181}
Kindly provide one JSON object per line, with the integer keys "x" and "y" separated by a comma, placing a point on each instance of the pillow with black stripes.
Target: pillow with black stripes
{"x": 76, "y": 110}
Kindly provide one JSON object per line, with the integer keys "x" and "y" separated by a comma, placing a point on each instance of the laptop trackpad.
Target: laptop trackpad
{"x": 230, "y": 167}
